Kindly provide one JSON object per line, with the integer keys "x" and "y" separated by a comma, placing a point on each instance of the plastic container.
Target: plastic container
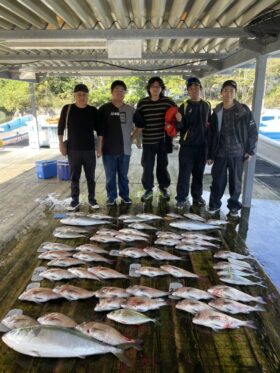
{"x": 46, "y": 169}
{"x": 63, "y": 170}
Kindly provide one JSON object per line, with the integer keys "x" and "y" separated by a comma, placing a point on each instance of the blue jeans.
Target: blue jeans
{"x": 116, "y": 165}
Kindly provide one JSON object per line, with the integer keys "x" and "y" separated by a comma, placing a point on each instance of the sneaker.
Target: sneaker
{"x": 199, "y": 201}
{"x": 126, "y": 201}
{"x": 148, "y": 195}
{"x": 93, "y": 204}
{"x": 181, "y": 204}
{"x": 110, "y": 202}
{"x": 165, "y": 194}
{"x": 213, "y": 210}
{"x": 234, "y": 213}
{"x": 73, "y": 206}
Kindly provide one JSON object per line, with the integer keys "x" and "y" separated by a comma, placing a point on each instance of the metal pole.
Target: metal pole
{"x": 34, "y": 112}
{"x": 258, "y": 94}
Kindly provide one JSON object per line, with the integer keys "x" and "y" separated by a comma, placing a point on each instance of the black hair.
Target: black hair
{"x": 120, "y": 83}
{"x": 81, "y": 88}
{"x": 160, "y": 82}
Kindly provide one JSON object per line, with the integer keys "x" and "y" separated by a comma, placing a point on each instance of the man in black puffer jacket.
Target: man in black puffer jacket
{"x": 232, "y": 137}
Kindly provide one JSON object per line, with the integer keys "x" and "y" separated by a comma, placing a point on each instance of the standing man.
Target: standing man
{"x": 232, "y": 141}
{"x": 79, "y": 120}
{"x": 195, "y": 114}
{"x": 116, "y": 124}
{"x": 155, "y": 141}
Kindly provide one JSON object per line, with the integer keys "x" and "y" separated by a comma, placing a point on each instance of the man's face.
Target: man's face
{"x": 155, "y": 89}
{"x": 228, "y": 94}
{"x": 118, "y": 93}
{"x": 81, "y": 98}
{"x": 194, "y": 91}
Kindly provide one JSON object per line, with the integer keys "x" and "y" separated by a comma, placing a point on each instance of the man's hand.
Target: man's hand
{"x": 62, "y": 148}
{"x": 247, "y": 157}
{"x": 210, "y": 162}
{"x": 178, "y": 116}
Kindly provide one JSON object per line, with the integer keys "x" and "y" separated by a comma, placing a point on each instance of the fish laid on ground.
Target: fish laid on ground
{"x": 217, "y": 320}
{"x": 105, "y": 273}
{"x": 133, "y": 232}
{"x": 198, "y": 242}
{"x": 178, "y": 272}
{"x": 142, "y": 304}
{"x": 57, "y": 319}
{"x": 193, "y": 306}
{"x": 145, "y": 291}
{"x": 104, "y": 239}
{"x": 39, "y": 295}
{"x": 194, "y": 217}
{"x": 52, "y": 246}
{"x": 199, "y": 236}
{"x": 167, "y": 241}
{"x": 190, "y": 248}
{"x": 91, "y": 257}
{"x": 57, "y": 274}
{"x": 240, "y": 263}
{"x": 71, "y": 292}
{"x": 109, "y": 304}
{"x": 223, "y": 291}
{"x": 129, "y": 317}
{"x": 149, "y": 216}
{"x": 89, "y": 248}
{"x": 239, "y": 280}
{"x": 55, "y": 254}
{"x": 64, "y": 262}
{"x": 131, "y": 238}
{"x": 171, "y": 235}
{"x": 134, "y": 219}
{"x": 126, "y": 216}
{"x": 160, "y": 254}
{"x": 106, "y": 333}
{"x": 231, "y": 306}
{"x": 71, "y": 229}
{"x": 111, "y": 292}
{"x": 67, "y": 235}
{"x": 133, "y": 252}
{"x": 231, "y": 254}
{"x": 141, "y": 226}
{"x": 107, "y": 232}
{"x": 173, "y": 215}
{"x": 18, "y": 321}
{"x": 235, "y": 272}
{"x": 100, "y": 216}
{"x": 83, "y": 221}
{"x": 191, "y": 293}
{"x": 56, "y": 342}
{"x": 192, "y": 225}
{"x": 81, "y": 272}
{"x": 151, "y": 271}
{"x": 217, "y": 222}
{"x": 231, "y": 267}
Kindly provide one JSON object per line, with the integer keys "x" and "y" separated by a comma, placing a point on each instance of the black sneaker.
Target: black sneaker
{"x": 199, "y": 201}
{"x": 126, "y": 201}
{"x": 148, "y": 195}
{"x": 165, "y": 194}
{"x": 93, "y": 204}
{"x": 74, "y": 205}
{"x": 213, "y": 210}
{"x": 234, "y": 213}
{"x": 182, "y": 204}
{"x": 110, "y": 202}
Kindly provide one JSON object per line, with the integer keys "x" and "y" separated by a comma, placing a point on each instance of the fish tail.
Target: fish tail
{"x": 261, "y": 284}
{"x": 259, "y": 308}
{"x": 137, "y": 344}
{"x": 250, "y": 324}
{"x": 119, "y": 353}
{"x": 260, "y": 300}
{"x": 156, "y": 321}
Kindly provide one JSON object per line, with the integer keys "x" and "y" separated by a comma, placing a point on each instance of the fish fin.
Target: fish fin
{"x": 136, "y": 344}
{"x": 81, "y": 357}
{"x": 261, "y": 284}
{"x": 156, "y": 321}
{"x": 120, "y": 355}
{"x": 250, "y": 324}
{"x": 260, "y": 300}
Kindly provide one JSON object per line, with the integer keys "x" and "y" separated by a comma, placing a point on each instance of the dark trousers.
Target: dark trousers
{"x": 77, "y": 160}
{"x": 116, "y": 165}
{"x": 233, "y": 166}
{"x": 191, "y": 162}
{"x": 149, "y": 154}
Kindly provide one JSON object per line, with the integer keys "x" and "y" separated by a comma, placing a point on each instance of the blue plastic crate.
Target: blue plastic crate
{"x": 46, "y": 169}
{"x": 63, "y": 170}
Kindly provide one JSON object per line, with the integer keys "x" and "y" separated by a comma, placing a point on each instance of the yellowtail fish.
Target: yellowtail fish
{"x": 129, "y": 317}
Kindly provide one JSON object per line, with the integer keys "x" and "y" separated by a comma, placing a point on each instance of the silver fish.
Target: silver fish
{"x": 107, "y": 232}
{"x": 131, "y": 238}
{"x": 55, "y": 254}
{"x": 231, "y": 306}
{"x": 141, "y": 226}
{"x": 194, "y": 217}
{"x": 57, "y": 274}
{"x": 104, "y": 239}
{"x": 198, "y": 242}
{"x": 167, "y": 241}
{"x": 64, "y": 262}
{"x": 239, "y": 263}
{"x": 160, "y": 254}
{"x": 133, "y": 232}
{"x": 71, "y": 292}
{"x": 124, "y": 217}
{"x": 145, "y": 291}
{"x": 192, "y": 225}
{"x": 178, "y": 272}
{"x": 89, "y": 248}
{"x": 224, "y": 291}
{"x": 217, "y": 222}
{"x": 70, "y": 229}
{"x": 67, "y": 235}
{"x": 217, "y": 320}
{"x": 133, "y": 252}
{"x": 83, "y": 221}
{"x": 38, "y": 295}
{"x": 231, "y": 267}
{"x": 56, "y": 342}
{"x": 91, "y": 257}
{"x": 18, "y": 321}
{"x": 188, "y": 247}
{"x": 239, "y": 280}
{"x": 106, "y": 273}
{"x": 99, "y": 216}
{"x": 109, "y": 304}
{"x": 81, "y": 272}
{"x": 231, "y": 254}
{"x": 52, "y": 246}
{"x": 134, "y": 219}
{"x": 111, "y": 292}
{"x": 149, "y": 216}
{"x": 192, "y": 306}
{"x": 191, "y": 293}
{"x": 57, "y": 319}
{"x": 172, "y": 235}
{"x": 142, "y": 304}
{"x": 199, "y": 236}
{"x": 235, "y": 272}
{"x": 129, "y": 317}
{"x": 172, "y": 215}
{"x": 151, "y": 271}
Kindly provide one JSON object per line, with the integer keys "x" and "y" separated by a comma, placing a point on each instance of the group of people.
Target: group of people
{"x": 225, "y": 138}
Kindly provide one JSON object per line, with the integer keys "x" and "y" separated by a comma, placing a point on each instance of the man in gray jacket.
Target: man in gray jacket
{"x": 231, "y": 142}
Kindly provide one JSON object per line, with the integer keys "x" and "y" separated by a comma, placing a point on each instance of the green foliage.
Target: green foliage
{"x": 14, "y": 95}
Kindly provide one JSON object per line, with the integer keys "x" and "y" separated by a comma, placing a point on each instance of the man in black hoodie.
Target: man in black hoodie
{"x": 232, "y": 141}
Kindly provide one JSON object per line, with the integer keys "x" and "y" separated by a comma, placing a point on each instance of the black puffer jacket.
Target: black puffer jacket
{"x": 244, "y": 125}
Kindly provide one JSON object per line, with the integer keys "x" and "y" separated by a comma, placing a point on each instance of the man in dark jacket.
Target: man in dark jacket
{"x": 232, "y": 141}
{"x": 193, "y": 140}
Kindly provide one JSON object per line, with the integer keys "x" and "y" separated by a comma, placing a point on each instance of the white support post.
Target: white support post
{"x": 258, "y": 94}
{"x": 33, "y": 129}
